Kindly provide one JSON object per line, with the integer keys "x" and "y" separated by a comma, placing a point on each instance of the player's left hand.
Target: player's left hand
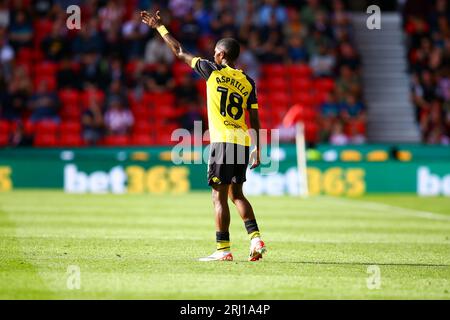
{"x": 152, "y": 20}
{"x": 255, "y": 158}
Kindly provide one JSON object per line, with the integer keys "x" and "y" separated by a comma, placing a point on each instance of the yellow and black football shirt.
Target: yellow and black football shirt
{"x": 230, "y": 92}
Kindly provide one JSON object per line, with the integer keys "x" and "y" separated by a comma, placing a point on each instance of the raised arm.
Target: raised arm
{"x": 154, "y": 21}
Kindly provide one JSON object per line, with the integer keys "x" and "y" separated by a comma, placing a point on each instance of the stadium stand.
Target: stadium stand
{"x": 428, "y": 30}
{"x": 114, "y": 83}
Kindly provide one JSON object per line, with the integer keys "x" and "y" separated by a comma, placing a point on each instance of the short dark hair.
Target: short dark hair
{"x": 231, "y": 48}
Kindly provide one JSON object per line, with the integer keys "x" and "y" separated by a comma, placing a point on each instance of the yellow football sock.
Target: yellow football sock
{"x": 223, "y": 245}
{"x": 254, "y": 234}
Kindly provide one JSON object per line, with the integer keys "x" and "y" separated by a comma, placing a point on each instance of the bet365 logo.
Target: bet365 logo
{"x": 374, "y": 20}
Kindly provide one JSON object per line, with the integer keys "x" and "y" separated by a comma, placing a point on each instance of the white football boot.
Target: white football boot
{"x": 219, "y": 256}
{"x": 257, "y": 248}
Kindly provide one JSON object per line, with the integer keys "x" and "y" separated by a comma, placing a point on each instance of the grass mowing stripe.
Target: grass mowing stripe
{"x": 19, "y": 278}
{"x": 397, "y": 209}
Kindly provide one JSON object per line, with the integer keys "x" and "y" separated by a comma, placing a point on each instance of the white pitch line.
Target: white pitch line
{"x": 400, "y": 210}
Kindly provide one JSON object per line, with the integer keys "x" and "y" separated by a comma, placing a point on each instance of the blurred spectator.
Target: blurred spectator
{"x": 111, "y": 15}
{"x": 330, "y": 108}
{"x": 157, "y": 51}
{"x": 88, "y": 39}
{"x": 330, "y": 112}
{"x": 272, "y": 50}
{"x": 116, "y": 71}
{"x": 19, "y": 138}
{"x": 297, "y": 51}
{"x": 94, "y": 70}
{"x": 351, "y": 108}
{"x": 118, "y": 119}
{"x": 92, "y": 122}
{"x": 66, "y": 75}
{"x": 310, "y": 11}
{"x": 116, "y": 92}
{"x": 181, "y": 8}
{"x": 4, "y": 14}
{"x": 271, "y": 9}
{"x": 160, "y": 79}
{"x": 16, "y": 99}
{"x": 113, "y": 45}
{"x": 44, "y": 104}
{"x": 202, "y": 17}
{"x": 323, "y": 62}
{"x": 186, "y": 92}
{"x": 134, "y": 33}
{"x": 249, "y": 62}
{"x": 348, "y": 57}
{"x": 189, "y": 32}
{"x": 337, "y": 136}
{"x": 42, "y": 7}
{"x": 54, "y": 45}
{"x": 347, "y": 83}
{"x": 21, "y": 31}
{"x": 6, "y": 54}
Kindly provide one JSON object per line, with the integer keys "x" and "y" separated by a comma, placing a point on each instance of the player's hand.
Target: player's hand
{"x": 255, "y": 158}
{"x": 152, "y": 20}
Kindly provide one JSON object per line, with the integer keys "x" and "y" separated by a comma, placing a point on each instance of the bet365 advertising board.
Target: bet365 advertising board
{"x": 425, "y": 171}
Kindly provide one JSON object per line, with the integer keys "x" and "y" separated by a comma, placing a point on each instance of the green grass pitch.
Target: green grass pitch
{"x": 145, "y": 247}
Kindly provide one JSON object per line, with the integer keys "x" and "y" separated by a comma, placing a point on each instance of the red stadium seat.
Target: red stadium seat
{"x": 42, "y": 28}
{"x": 148, "y": 99}
{"x": 279, "y": 85}
{"x": 5, "y": 126}
{"x": 26, "y": 65}
{"x": 142, "y": 112}
{"x": 142, "y": 127}
{"x": 71, "y": 140}
{"x": 46, "y": 69}
{"x": 71, "y": 113}
{"x": 180, "y": 69}
{"x": 165, "y": 98}
{"x": 279, "y": 100}
{"x": 47, "y": 128}
{"x": 167, "y": 112}
{"x": 4, "y": 139}
{"x": 133, "y": 100}
{"x": 263, "y": 86}
{"x": 273, "y": 70}
{"x": 324, "y": 84}
{"x": 301, "y": 85}
{"x": 201, "y": 87}
{"x": 29, "y": 127}
{"x": 25, "y": 55}
{"x": 70, "y": 127}
{"x": 69, "y": 97}
{"x": 45, "y": 140}
{"x": 50, "y": 80}
{"x": 95, "y": 94}
{"x": 311, "y": 132}
{"x": 303, "y": 98}
{"x": 117, "y": 141}
{"x": 142, "y": 140}
{"x": 299, "y": 71}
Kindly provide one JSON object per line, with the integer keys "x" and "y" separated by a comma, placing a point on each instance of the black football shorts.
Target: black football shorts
{"x": 227, "y": 163}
